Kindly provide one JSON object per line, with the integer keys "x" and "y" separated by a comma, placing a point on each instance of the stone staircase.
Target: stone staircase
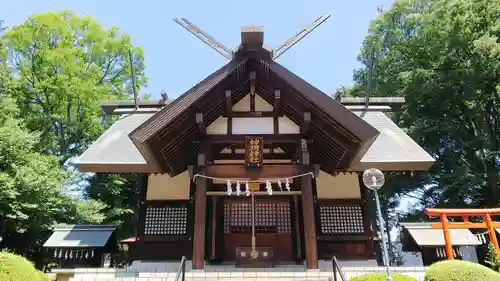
{"x": 167, "y": 272}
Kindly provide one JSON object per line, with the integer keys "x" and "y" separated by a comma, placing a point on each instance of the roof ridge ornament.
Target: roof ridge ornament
{"x": 252, "y": 35}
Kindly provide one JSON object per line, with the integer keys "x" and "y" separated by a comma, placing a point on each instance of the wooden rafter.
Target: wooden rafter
{"x": 240, "y": 139}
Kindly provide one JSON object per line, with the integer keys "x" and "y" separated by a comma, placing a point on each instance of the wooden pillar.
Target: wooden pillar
{"x": 447, "y": 239}
{"x": 136, "y": 249}
{"x": 310, "y": 240}
{"x": 492, "y": 234}
{"x": 200, "y": 205}
{"x": 296, "y": 215}
{"x": 214, "y": 228}
{"x": 142, "y": 183}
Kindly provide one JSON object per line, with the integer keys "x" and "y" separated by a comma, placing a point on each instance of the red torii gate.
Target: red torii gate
{"x": 443, "y": 214}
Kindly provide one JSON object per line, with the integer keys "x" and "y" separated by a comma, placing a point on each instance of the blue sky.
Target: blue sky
{"x": 176, "y": 60}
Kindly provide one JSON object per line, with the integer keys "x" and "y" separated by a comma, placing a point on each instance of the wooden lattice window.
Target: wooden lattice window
{"x": 240, "y": 220}
{"x": 265, "y": 218}
{"x": 284, "y": 217}
{"x": 166, "y": 221}
{"x": 227, "y": 218}
{"x": 269, "y": 218}
{"x": 341, "y": 219}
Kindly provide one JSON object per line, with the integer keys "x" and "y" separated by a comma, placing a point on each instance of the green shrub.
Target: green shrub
{"x": 42, "y": 276}
{"x": 491, "y": 257}
{"x": 17, "y": 268}
{"x": 382, "y": 277}
{"x": 457, "y": 270}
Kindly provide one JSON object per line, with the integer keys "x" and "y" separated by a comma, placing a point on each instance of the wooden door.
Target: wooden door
{"x": 273, "y": 226}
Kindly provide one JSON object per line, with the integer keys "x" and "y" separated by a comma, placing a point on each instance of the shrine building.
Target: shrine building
{"x": 254, "y": 165}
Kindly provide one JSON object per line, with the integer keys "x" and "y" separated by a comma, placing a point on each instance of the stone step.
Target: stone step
{"x": 208, "y": 279}
{"x": 228, "y": 274}
{"x": 225, "y": 276}
{"x": 170, "y": 276}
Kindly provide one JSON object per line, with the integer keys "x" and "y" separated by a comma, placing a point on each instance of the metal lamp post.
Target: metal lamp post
{"x": 374, "y": 179}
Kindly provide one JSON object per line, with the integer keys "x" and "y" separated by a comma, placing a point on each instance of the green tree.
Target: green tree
{"x": 444, "y": 58}
{"x": 491, "y": 258}
{"x": 32, "y": 197}
{"x": 120, "y": 193}
{"x": 66, "y": 64}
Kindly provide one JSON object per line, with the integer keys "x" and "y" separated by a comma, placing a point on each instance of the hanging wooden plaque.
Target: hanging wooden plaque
{"x": 254, "y": 147}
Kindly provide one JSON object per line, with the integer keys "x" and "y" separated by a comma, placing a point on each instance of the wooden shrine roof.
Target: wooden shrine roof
{"x": 81, "y": 236}
{"x": 170, "y": 132}
{"x": 420, "y": 234}
{"x": 392, "y": 150}
{"x": 164, "y": 137}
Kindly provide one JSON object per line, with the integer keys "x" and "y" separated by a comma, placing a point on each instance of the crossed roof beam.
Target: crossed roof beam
{"x": 229, "y": 54}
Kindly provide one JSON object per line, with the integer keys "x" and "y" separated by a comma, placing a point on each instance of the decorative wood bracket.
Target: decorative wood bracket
{"x": 202, "y": 129}
{"x": 253, "y": 78}
{"x": 277, "y": 103}
{"x": 229, "y": 103}
{"x": 304, "y": 153}
{"x": 306, "y": 121}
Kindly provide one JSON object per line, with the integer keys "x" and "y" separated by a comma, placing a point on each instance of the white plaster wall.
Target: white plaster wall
{"x": 163, "y": 187}
{"x": 253, "y": 125}
{"x": 287, "y": 126}
{"x": 341, "y": 186}
{"x": 218, "y": 127}
{"x": 260, "y": 104}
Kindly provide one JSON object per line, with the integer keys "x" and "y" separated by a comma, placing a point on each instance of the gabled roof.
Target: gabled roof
{"x": 393, "y": 149}
{"x": 152, "y": 127}
{"x": 158, "y": 137}
{"x": 114, "y": 152}
{"x": 80, "y": 236}
{"x": 161, "y": 119}
{"x": 338, "y": 112}
{"x": 424, "y": 236}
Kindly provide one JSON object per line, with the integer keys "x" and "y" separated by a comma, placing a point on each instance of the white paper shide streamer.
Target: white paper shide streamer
{"x": 269, "y": 184}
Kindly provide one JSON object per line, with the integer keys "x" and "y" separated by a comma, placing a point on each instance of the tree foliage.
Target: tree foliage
{"x": 444, "y": 58}
{"x": 458, "y": 270}
{"x": 16, "y": 268}
{"x": 32, "y": 194}
{"x": 120, "y": 194}
{"x": 55, "y": 68}
{"x": 491, "y": 258}
{"x": 66, "y": 64}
